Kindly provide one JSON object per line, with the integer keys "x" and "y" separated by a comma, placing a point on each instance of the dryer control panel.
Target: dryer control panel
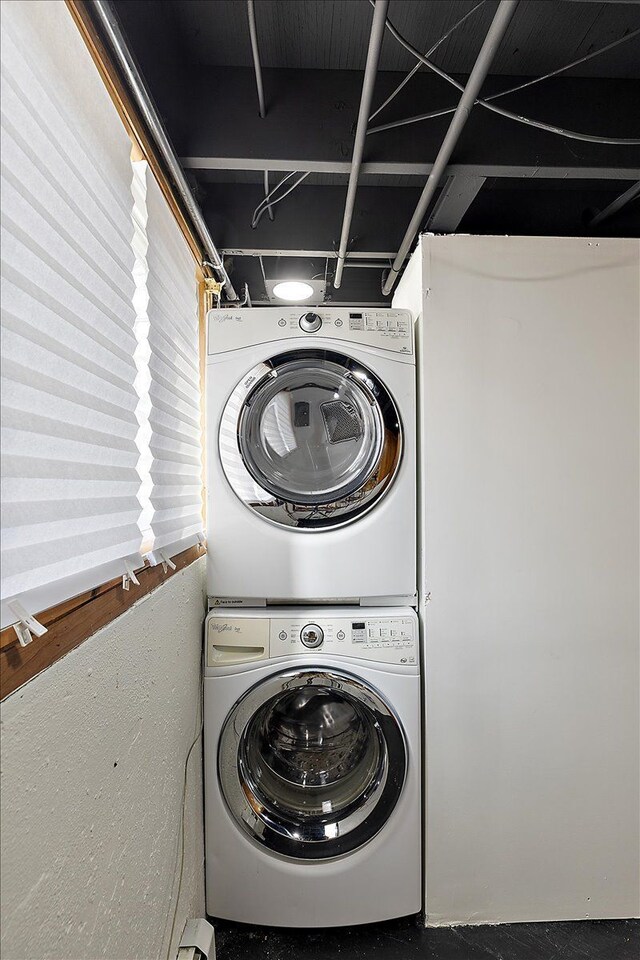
{"x": 384, "y": 638}
{"x": 381, "y": 327}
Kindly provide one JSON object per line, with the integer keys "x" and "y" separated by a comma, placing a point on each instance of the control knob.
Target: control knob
{"x": 312, "y": 635}
{"x": 310, "y": 322}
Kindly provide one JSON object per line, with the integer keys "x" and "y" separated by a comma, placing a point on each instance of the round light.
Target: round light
{"x": 293, "y": 290}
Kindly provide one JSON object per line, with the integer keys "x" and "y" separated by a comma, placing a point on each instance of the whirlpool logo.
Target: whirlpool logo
{"x": 224, "y": 628}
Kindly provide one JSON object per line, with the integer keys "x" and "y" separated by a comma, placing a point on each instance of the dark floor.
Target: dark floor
{"x": 407, "y": 939}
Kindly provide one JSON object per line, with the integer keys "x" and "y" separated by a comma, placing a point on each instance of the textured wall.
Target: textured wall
{"x": 93, "y": 755}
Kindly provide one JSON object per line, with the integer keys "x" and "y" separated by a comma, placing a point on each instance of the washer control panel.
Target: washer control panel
{"x": 385, "y": 639}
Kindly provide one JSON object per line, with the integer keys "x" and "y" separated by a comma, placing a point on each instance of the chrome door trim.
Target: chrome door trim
{"x": 321, "y": 840}
{"x": 269, "y": 504}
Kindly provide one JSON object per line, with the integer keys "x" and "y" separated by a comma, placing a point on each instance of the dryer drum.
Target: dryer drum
{"x": 311, "y": 763}
{"x": 310, "y": 439}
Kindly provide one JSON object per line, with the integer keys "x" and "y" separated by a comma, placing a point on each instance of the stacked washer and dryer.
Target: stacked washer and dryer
{"x": 312, "y": 664}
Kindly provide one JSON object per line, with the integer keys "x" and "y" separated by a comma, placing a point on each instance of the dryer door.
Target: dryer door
{"x": 311, "y": 763}
{"x": 310, "y": 439}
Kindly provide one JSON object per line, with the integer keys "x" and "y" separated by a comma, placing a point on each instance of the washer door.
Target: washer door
{"x": 311, "y": 763}
{"x": 310, "y": 439}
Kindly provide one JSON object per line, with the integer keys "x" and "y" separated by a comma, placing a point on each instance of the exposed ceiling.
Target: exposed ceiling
{"x": 504, "y": 177}
{"x": 333, "y": 35}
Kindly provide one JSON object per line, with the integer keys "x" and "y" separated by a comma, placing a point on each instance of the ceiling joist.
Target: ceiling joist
{"x": 310, "y": 126}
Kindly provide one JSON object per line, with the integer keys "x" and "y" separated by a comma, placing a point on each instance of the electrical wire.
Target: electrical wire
{"x": 528, "y": 121}
{"x": 408, "y": 120}
{"x": 183, "y": 809}
{"x": 504, "y": 93}
{"x": 268, "y": 196}
{"x": 269, "y": 202}
{"x": 560, "y": 131}
{"x": 262, "y": 207}
{"x": 431, "y": 50}
{"x": 567, "y": 66}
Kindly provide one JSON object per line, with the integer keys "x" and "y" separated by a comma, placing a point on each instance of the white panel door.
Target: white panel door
{"x": 529, "y": 367}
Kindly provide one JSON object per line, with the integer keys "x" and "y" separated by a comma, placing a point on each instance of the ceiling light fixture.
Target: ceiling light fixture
{"x": 293, "y": 290}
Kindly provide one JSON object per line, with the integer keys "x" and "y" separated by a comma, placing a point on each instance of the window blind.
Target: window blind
{"x": 69, "y": 456}
{"x": 174, "y": 388}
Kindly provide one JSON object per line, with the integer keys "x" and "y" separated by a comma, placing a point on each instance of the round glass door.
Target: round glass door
{"x": 310, "y": 439}
{"x": 312, "y": 764}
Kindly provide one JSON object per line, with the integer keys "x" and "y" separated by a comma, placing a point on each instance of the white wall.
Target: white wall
{"x": 531, "y": 494}
{"x": 93, "y": 753}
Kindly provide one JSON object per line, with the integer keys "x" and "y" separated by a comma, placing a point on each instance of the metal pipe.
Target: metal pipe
{"x": 364, "y": 265}
{"x": 418, "y": 65}
{"x": 370, "y": 70}
{"x": 246, "y": 300}
{"x": 251, "y": 13}
{"x": 495, "y": 33}
{"x": 387, "y": 255}
{"x": 262, "y": 110}
{"x": 616, "y": 205}
{"x": 142, "y": 98}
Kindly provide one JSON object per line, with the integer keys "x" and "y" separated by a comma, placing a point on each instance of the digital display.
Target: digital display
{"x": 357, "y": 626}
{"x": 355, "y": 316}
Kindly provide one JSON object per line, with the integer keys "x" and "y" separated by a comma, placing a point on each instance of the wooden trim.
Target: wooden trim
{"x": 71, "y": 623}
{"x": 131, "y": 117}
{"x": 202, "y": 346}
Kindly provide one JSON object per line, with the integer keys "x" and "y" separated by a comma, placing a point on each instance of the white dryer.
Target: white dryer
{"x": 312, "y": 765}
{"x": 311, "y": 458}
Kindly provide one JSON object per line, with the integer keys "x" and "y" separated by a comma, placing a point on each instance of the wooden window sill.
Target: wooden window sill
{"x": 70, "y": 623}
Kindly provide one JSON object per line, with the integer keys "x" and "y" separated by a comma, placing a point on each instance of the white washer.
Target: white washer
{"x": 312, "y": 765}
{"x": 311, "y": 460}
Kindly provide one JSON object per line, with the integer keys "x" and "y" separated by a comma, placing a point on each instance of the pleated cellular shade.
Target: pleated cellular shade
{"x": 174, "y": 390}
{"x": 69, "y": 480}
